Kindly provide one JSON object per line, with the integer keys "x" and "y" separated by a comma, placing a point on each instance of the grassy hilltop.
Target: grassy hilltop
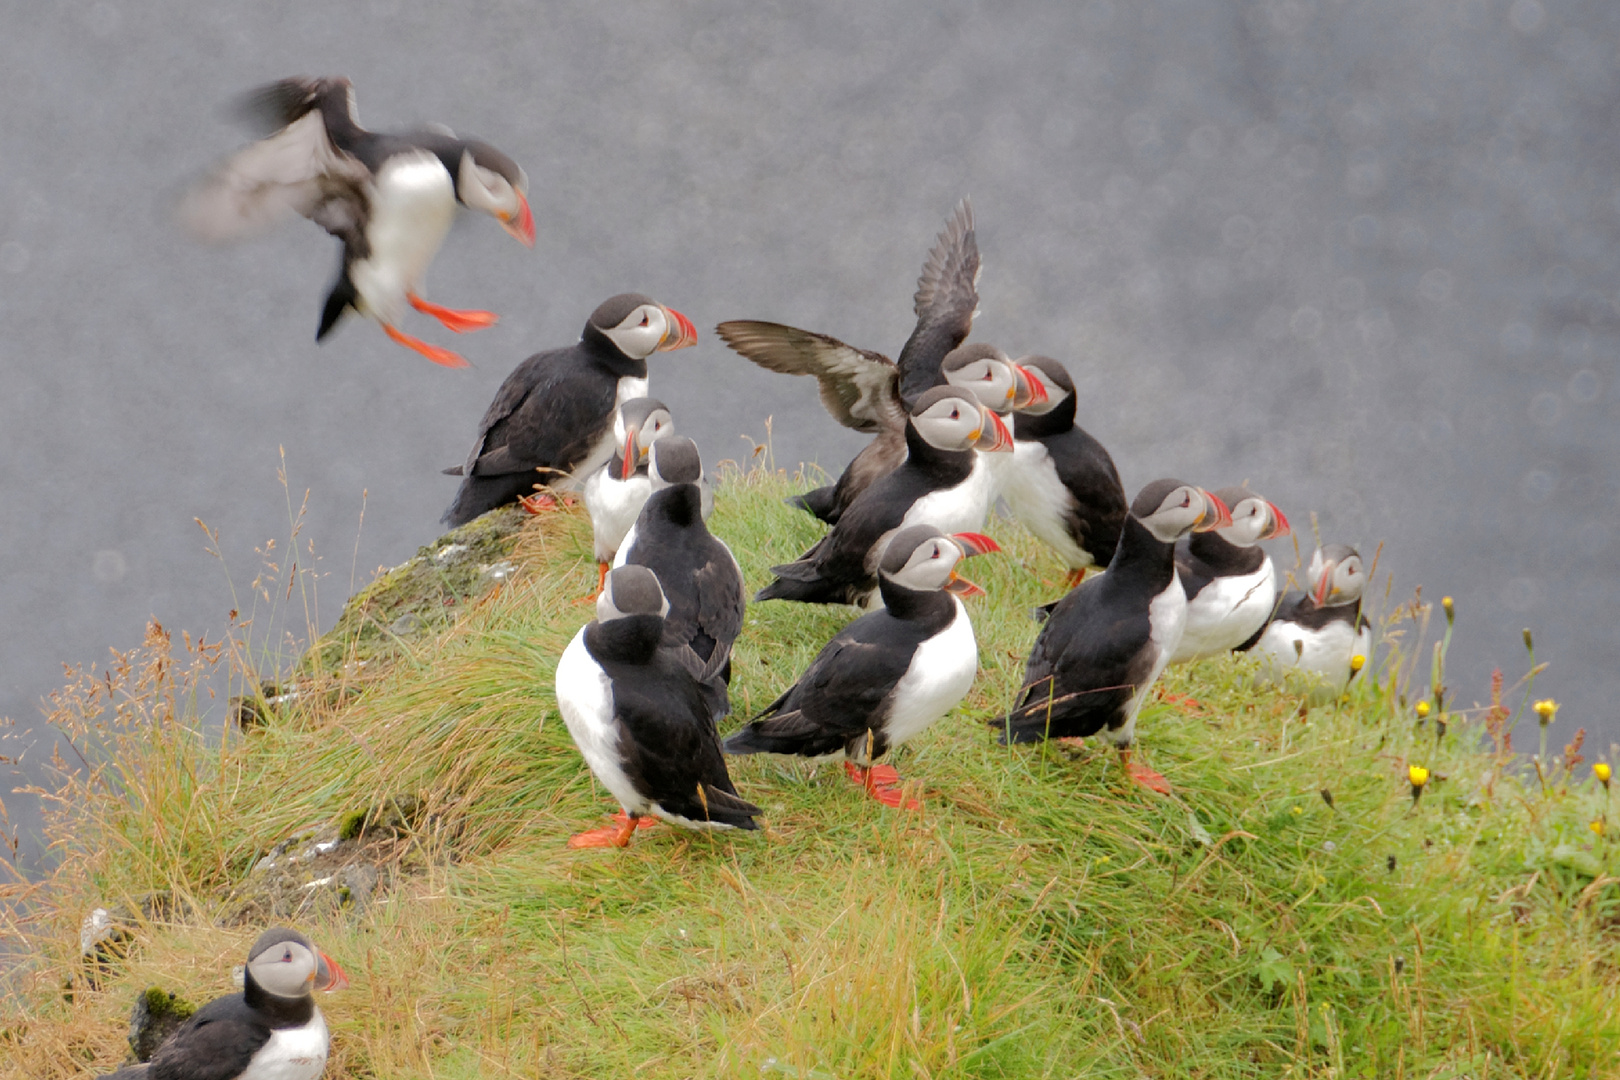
{"x": 1037, "y": 918}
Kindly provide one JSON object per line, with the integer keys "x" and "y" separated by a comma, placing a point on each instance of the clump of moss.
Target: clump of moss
{"x": 394, "y": 816}
{"x": 157, "y": 1013}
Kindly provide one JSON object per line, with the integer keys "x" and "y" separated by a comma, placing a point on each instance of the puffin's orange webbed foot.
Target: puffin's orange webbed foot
{"x": 540, "y": 502}
{"x": 616, "y": 836}
{"x": 882, "y": 782}
{"x": 1074, "y": 577}
{"x": 1141, "y": 774}
{"x": 461, "y": 322}
{"x": 442, "y": 357}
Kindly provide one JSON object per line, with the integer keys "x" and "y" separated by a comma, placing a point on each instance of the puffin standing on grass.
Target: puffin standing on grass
{"x": 1062, "y": 484}
{"x": 1319, "y": 631}
{"x": 702, "y": 582}
{"x": 941, "y": 483}
{"x": 1107, "y": 641}
{"x": 270, "y": 1031}
{"x": 886, "y": 676}
{"x": 615, "y": 493}
{"x": 389, "y": 198}
{"x": 551, "y": 422}
{"x": 1230, "y": 584}
{"x": 641, "y": 720}
{"x": 866, "y": 390}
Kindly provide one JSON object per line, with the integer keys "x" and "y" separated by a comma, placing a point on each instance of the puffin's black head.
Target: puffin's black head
{"x": 631, "y": 590}
{"x": 1336, "y": 575}
{"x": 490, "y": 181}
{"x": 1253, "y": 518}
{"x": 950, "y": 418}
{"x": 1170, "y": 509}
{"x": 639, "y": 326}
{"x": 675, "y": 461}
{"x": 285, "y": 964}
{"x": 922, "y": 558}
{"x": 1053, "y": 377}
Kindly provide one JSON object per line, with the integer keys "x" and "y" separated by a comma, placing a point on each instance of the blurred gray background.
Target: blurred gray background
{"x": 1361, "y": 254}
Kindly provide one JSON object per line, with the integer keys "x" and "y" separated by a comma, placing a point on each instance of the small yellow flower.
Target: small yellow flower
{"x": 1423, "y": 710}
{"x": 1296, "y": 811}
{"x": 1546, "y": 709}
{"x": 1357, "y": 662}
{"x": 1596, "y": 827}
{"x": 1451, "y": 610}
{"x": 1602, "y": 771}
{"x": 1418, "y": 775}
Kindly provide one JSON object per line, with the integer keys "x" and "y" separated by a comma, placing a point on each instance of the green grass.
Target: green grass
{"x": 1038, "y": 918}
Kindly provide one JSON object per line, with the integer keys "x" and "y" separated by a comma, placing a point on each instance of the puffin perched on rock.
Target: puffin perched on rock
{"x": 1320, "y": 630}
{"x": 1107, "y": 641}
{"x": 866, "y": 390}
{"x": 702, "y": 582}
{"x": 641, "y": 720}
{"x": 1230, "y": 584}
{"x": 389, "y": 198}
{"x": 942, "y": 482}
{"x": 886, "y": 676}
{"x": 551, "y": 422}
{"x": 615, "y": 493}
{"x": 272, "y": 1029}
{"x": 1061, "y": 483}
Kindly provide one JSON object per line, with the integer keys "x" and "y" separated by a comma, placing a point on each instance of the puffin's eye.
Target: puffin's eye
{"x": 956, "y": 414}
{"x": 645, "y": 320}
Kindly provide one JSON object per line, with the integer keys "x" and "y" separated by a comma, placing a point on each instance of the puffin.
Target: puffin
{"x": 702, "y": 582}
{"x": 1320, "y": 630}
{"x": 887, "y": 676}
{"x": 551, "y": 422}
{"x": 1230, "y": 584}
{"x": 390, "y": 199}
{"x": 1107, "y": 641}
{"x": 1061, "y": 484}
{"x": 942, "y": 482}
{"x": 615, "y": 493}
{"x": 641, "y": 720}
{"x": 270, "y": 1031}
{"x": 865, "y": 390}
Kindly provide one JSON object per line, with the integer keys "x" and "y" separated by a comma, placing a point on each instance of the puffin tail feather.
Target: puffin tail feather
{"x": 821, "y": 503}
{"x": 339, "y": 300}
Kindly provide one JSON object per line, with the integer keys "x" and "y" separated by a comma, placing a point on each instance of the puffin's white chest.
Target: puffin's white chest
{"x": 630, "y": 387}
{"x": 292, "y": 1053}
{"x": 585, "y": 699}
{"x": 1167, "y": 621}
{"x": 963, "y": 508}
{"x": 413, "y": 203}
{"x": 1038, "y": 498}
{"x": 1226, "y": 613}
{"x": 941, "y": 673}
{"x": 1324, "y": 653}
{"x": 614, "y": 506}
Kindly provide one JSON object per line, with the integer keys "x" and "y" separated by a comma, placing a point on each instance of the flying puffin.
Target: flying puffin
{"x": 272, "y": 1029}
{"x": 640, "y": 719}
{"x": 888, "y": 675}
{"x": 702, "y": 582}
{"x": 942, "y": 482}
{"x": 1062, "y": 484}
{"x": 615, "y": 493}
{"x": 866, "y": 390}
{"x": 551, "y": 422}
{"x": 389, "y": 198}
{"x": 1107, "y": 641}
{"x": 1230, "y": 584}
{"x": 1321, "y": 630}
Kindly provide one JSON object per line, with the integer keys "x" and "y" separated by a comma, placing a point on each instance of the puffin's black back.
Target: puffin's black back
{"x": 835, "y": 570}
{"x": 1091, "y": 654}
{"x": 846, "y": 691}
{"x": 672, "y": 751}
{"x": 1203, "y": 557}
{"x": 547, "y": 416}
{"x": 220, "y": 1038}
{"x": 1085, "y": 468}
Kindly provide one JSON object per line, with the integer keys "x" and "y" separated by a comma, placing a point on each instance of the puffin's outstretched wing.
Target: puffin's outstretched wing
{"x": 947, "y": 300}
{"x": 859, "y": 387}
{"x": 298, "y": 168}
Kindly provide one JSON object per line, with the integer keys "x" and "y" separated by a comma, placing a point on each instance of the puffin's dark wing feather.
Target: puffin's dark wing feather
{"x": 721, "y": 603}
{"x": 1083, "y": 667}
{"x": 946, "y": 301}
{"x": 269, "y": 108}
{"x": 532, "y": 421}
{"x": 215, "y": 1044}
{"x": 857, "y": 386}
{"x": 1097, "y": 514}
{"x": 296, "y": 170}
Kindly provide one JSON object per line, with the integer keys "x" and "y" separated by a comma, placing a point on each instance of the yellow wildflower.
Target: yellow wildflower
{"x": 1546, "y": 709}
{"x": 1357, "y": 662}
{"x": 1602, "y": 771}
{"x": 1418, "y": 775}
{"x": 1596, "y": 827}
{"x": 1451, "y": 610}
{"x": 1423, "y": 710}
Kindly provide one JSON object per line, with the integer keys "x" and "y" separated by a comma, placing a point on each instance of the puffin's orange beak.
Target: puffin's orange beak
{"x": 521, "y": 224}
{"x": 329, "y": 974}
{"x": 993, "y": 434}
{"x": 680, "y": 334}
{"x": 1028, "y": 389}
{"x": 1221, "y": 519}
{"x": 961, "y": 586}
{"x": 1319, "y": 594}
{"x": 1280, "y": 526}
{"x": 974, "y": 544}
{"x": 631, "y": 458}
